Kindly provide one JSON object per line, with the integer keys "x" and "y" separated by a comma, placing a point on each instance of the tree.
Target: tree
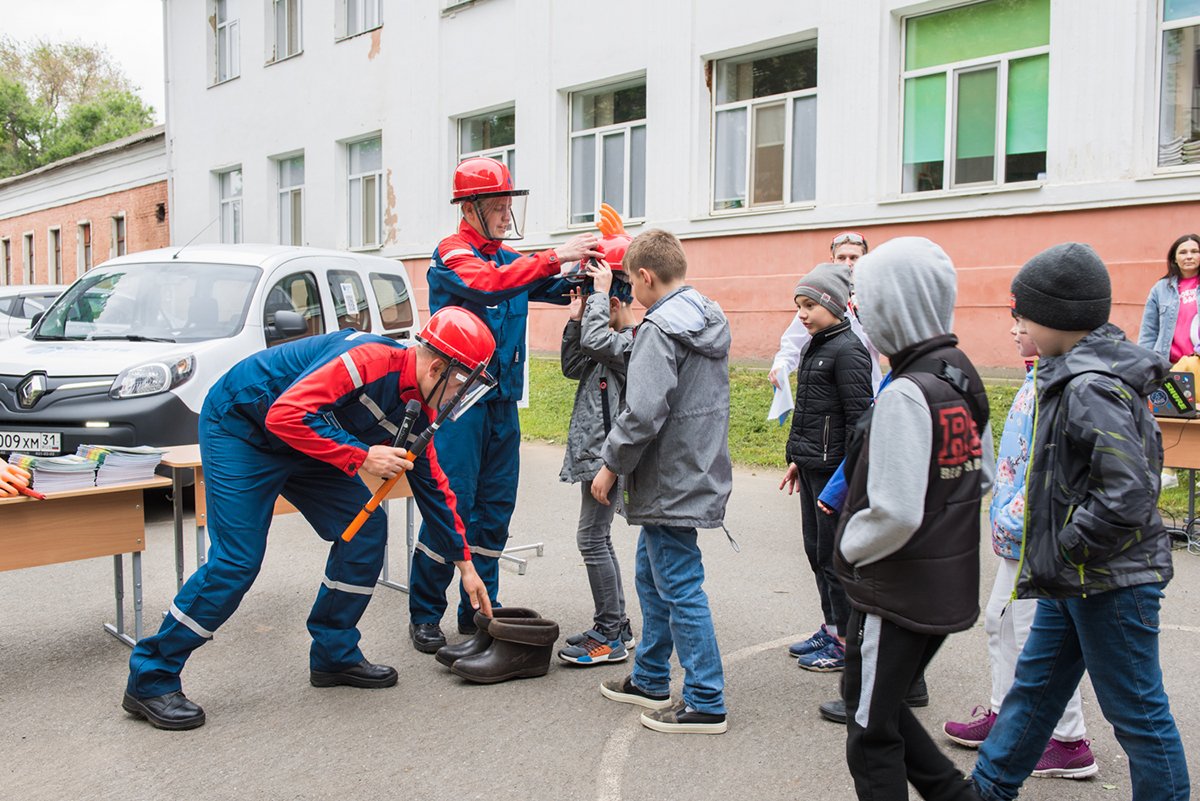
{"x": 61, "y": 98}
{"x": 111, "y": 116}
{"x": 22, "y": 125}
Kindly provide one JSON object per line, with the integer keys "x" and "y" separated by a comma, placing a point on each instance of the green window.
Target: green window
{"x": 975, "y": 83}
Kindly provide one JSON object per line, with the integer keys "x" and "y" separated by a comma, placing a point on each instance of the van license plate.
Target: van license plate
{"x": 33, "y": 442}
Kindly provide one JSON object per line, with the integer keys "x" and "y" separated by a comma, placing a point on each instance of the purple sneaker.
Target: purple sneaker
{"x": 1067, "y": 761}
{"x": 973, "y": 732}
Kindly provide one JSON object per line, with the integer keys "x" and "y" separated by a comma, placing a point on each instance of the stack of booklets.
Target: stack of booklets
{"x": 57, "y": 473}
{"x": 120, "y": 464}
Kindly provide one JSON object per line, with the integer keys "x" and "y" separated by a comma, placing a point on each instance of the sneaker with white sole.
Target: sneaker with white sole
{"x": 1063, "y": 760}
{"x": 973, "y": 732}
{"x": 681, "y": 719}
{"x": 594, "y": 651}
{"x": 626, "y": 692}
{"x": 626, "y": 636}
{"x": 820, "y": 638}
{"x": 829, "y": 659}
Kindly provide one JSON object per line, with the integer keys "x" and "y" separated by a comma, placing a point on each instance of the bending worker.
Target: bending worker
{"x": 480, "y": 453}
{"x": 301, "y": 420}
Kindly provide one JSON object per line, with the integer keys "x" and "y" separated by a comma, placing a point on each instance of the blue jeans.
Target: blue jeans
{"x": 675, "y": 615}
{"x": 1114, "y": 635}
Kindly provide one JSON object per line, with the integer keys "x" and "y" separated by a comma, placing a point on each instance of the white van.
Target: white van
{"x": 127, "y": 353}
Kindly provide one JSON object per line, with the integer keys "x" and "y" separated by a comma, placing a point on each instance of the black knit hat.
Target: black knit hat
{"x": 828, "y": 285}
{"x": 1065, "y": 287}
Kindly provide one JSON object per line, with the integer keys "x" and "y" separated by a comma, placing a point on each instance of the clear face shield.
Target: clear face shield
{"x": 621, "y": 289}
{"x": 459, "y": 389}
{"x": 502, "y": 216}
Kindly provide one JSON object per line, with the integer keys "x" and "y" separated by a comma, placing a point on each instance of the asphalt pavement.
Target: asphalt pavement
{"x": 270, "y": 735}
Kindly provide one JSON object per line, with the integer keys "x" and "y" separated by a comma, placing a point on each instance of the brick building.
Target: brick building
{"x": 58, "y": 221}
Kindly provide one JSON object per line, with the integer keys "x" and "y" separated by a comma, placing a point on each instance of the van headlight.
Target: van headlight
{"x": 153, "y": 377}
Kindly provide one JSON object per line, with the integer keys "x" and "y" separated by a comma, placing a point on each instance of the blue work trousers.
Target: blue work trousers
{"x": 242, "y": 482}
{"x": 480, "y": 453}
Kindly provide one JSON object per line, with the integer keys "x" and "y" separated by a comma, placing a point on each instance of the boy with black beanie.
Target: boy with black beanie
{"x": 1095, "y": 551}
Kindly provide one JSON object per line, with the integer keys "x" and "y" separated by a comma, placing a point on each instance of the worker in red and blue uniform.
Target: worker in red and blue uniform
{"x": 301, "y": 420}
{"x": 474, "y": 269}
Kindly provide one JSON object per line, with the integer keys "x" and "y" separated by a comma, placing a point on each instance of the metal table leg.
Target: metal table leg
{"x": 177, "y": 512}
{"x": 118, "y": 630}
{"x": 410, "y": 543}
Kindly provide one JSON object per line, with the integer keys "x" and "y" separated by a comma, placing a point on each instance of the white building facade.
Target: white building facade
{"x": 754, "y": 131}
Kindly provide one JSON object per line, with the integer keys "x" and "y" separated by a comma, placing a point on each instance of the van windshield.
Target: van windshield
{"x": 169, "y": 302}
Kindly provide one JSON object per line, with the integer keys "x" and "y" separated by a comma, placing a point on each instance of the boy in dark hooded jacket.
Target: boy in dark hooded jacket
{"x": 907, "y": 546}
{"x": 1095, "y": 550}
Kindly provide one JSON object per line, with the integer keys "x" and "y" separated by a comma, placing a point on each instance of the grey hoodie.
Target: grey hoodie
{"x": 905, "y": 291}
{"x": 671, "y": 441}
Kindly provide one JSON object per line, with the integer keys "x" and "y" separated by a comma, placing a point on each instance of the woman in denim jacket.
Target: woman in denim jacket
{"x": 1161, "y": 320}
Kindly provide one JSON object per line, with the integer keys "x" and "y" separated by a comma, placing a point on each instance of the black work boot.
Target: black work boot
{"x": 449, "y": 654}
{"x": 521, "y": 648}
{"x": 364, "y": 674}
{"x": 426, "y": 637}
{"x": 172, "y": 711}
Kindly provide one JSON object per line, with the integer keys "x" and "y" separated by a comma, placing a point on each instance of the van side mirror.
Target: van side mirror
{"x": 288, "y": 324}
{"x": 33, "y": 321}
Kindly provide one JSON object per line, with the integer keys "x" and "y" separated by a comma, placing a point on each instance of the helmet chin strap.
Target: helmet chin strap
{"x": 442, "y": 382}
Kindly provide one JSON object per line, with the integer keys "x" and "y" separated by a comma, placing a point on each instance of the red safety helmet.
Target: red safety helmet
{"x": 482, "y": 177}
{"x": 485, "y": 183}
{"x": 467, "y": 344}
{"x": 459, "y": 335}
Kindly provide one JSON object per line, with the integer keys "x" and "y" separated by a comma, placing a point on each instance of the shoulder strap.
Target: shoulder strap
{"x": 956, "y": 378}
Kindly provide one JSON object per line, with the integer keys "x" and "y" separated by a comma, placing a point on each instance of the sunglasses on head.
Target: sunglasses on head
{"x": 849, "y": 237}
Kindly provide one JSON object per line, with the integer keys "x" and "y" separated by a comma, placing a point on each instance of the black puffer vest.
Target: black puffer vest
{"x": 833, "y": 390}
{"x": 931, "y": 585}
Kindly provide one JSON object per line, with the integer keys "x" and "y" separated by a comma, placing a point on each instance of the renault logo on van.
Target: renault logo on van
{"x": 31, "y": 389}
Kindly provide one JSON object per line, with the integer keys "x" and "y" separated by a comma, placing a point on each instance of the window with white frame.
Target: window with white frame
{"x": 225, "y": 43}
{"x": 976, "y": 99}
{"x": 1179, "y": 98}
{"x": 608, "y": 151}
{"x": 765, "y": 128}
{"x": 358, "y": 16}
{"x": 54, "y": 248}
{"x": 229, "y": 204}
{"x": 27, "y": 257}
{"x": 83, "y": 256}
{"x": 291, "y": 200}
{"x": 6, "y": 247}
{"x": 365, "y": 192}
{"x": 117, "y": 236}
{"x": 493, "y": 135}
{"x": 285, "y": 29}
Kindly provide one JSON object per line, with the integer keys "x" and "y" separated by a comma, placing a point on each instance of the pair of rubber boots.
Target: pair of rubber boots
{"x": 514, "y": 643}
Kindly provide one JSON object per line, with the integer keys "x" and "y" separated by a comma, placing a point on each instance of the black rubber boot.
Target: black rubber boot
{"x": 521, "y": 648}
{"x": 449, "y": 654}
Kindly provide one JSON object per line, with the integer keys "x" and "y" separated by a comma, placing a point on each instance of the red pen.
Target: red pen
{"x": 31, "y": 493}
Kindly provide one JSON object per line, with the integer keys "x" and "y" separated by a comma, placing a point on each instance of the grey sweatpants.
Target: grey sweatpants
{"x": 594, "y": 538}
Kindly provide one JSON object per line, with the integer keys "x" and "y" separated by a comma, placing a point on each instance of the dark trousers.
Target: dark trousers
{"x": 819, "y": 530}
{"x": 886, "y": 746}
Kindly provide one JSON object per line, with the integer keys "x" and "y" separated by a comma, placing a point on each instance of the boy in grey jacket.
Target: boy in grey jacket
{"x": 595, "y": 343}
{"x": 671, "y": 446}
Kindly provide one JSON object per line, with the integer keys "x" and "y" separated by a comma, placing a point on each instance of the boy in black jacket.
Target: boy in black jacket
{"x": 907, "y": 545}
{"x": 833, "y": 389}
{"x": 1095, "y": 551}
